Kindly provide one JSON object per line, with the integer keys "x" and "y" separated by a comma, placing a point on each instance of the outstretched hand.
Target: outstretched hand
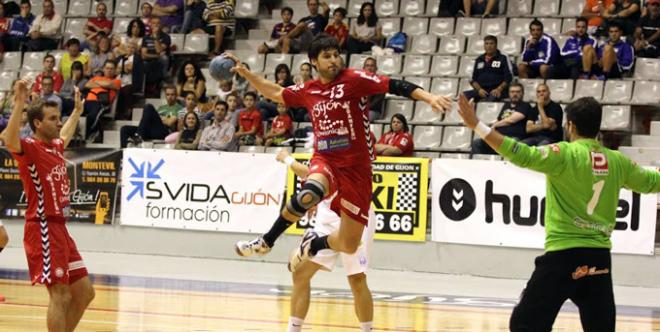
{"x": 78, "y": 101}
{"x": 467, "y": 112}
{"x": 441, "y": 104}
{"x": 239, "y": 68}
{"x": 21, "y": 91}
{"x": 282, "y": 155}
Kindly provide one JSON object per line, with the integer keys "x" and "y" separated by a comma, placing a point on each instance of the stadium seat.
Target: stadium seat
{"x": 444, "y": 86}
{"x": 357, "y": 60}
{"x": 466, "y": 26}
{"x": 546, "y": 8}
{"x": 475, "y": 45}
{"x": 416, "y": 65}
{"x": 423, "y": 82}
{"x": 560, "y": 90}
{"x": 196, "y": 43}
{"x": 246, "y": 8}
{"x": 126, "y": 7}
{"x": 377, "y": 129}
{"x": 108, "y": 4}
{"x": 452, "y": 45}
{"x": 452, "y": 117}
{"x": 58, "y": 56}
{"x": 486, "y": 157}
{"x": 441, "y": 26}
{"x": 121, "y": 25}
{"x": 177, "y": 39}
{"x": 456, "y": 138}
{"x": 530, "y": 85}
{"x": 464, "y": 84}
{"x": 647, "y": 69}
{"x": 252, "y": 149}
{"x": 386, "y": 8}
{"x": 424, "y": 44}
{"x": 425, "y": 114}
{"x": 11, "y": 61}
{"x": 588, "y": 88}
{"x": 567, "y": 24}
{"x": 389, "y": 64}
{"x": 426, "y": 154}
{"x": 277, "y": 149}
{"x": 432, "y": 7}
{"x": 274, "y": 59}
{"x": 493, "y": 26}
{"x": 415, "y": 26}
{"x": 454, "y": 156}
{"x": 488, "y": 111}
{"x": 354, "y": 7}
{"x": 561, "y": 40}
{"x": 615, "y": 117}
{"x": 617, "y": 92}
{"x": 299, "y": 59}
{"x": 33, "y": 61}
{"x": 571, "y": 8}
{"x": 401, "y": 106}
{"x": 427, "y": 137}
{"x": 252, "y": 59}
{"x": 79, "y": 8}
{"x": 29, "y": 75}
{"x": 334, "y": 4}
{"x": 444, "y": 65}
{"x": 74, "y": 28}
{"x": 412, "y": 8}
{"x": 646, "y": 141}
{"x": 551, "y": 26}
{"x": 519, "y": 27}
{"x": 6, "y": 80}
{"x": 390, "y": 26}
{"x": 60, "y": 7}
{"x": 466, "y": 66}
{"x": 511, "y": 45}
{"x": 646, "y": 92}
{"x": 518, "y": 8}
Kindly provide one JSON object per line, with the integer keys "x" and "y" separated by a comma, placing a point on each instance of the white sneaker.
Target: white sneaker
{"x": 301, "y": 254}
{"x": 248, "y": 248}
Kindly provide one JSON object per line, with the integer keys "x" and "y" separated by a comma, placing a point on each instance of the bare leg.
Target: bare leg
{"x": 467, "y": 7}
{"x": 286, "y": 45}
{"x": 219, "y": 35}
{"x": 300, "y": 295}
{"x": 347, "y": 238}
{"x": 544, "y": 70}
{"x": 4, "y": 238}
{"x": 588, "y": 58}
{"x": 363, "y": 301}
{"x": 489, "y": 6}
{"x": 522, "y": 70}
{"x": 60, "y": 300}
{"x": 82, "y": 294}
{"x": 609, "y": 58}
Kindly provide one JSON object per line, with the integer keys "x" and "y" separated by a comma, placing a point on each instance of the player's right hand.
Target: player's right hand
{"x": 441, "y": 103}
{"x": 21, "y": 90}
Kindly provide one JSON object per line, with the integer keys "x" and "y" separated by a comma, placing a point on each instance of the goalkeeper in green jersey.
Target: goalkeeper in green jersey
{"x": 583, "y": 180}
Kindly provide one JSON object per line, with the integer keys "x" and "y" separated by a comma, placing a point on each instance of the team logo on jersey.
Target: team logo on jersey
{"x": 599, "y": 163}
{"x": 457, "y": 199}
{"x": 59, "y": 272}
{"x": 480, "y": 65}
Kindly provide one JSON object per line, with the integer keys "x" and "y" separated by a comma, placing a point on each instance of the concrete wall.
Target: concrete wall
{"x": 496, "y": 262}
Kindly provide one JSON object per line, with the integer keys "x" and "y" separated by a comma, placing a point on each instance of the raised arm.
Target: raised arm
{"x": 69, "y": 128}
{"x": 297, "y": 167}
{"x": 12, "y": 134}
{"x": 268, "y": 89}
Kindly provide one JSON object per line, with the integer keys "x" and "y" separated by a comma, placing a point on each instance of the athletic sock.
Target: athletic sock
{"x": 295, "y": 324}
{"x": 278, "y": 228}
{"x": 319, "y": 244}
{"x": 366, "y": 326}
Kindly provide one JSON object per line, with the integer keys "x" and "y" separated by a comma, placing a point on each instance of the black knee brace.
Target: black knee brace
{"x": 310, "y": 194}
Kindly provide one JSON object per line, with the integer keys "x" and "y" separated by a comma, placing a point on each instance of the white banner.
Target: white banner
{"x": 500, "y": 204}
{"x": 214, "y": 191}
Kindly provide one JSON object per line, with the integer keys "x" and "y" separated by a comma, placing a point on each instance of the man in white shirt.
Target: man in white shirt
{"x": 45, "y": 31}
{"x": 220, "y": 135}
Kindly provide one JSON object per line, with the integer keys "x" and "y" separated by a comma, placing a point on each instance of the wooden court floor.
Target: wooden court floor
{"x": 172, "y": 307}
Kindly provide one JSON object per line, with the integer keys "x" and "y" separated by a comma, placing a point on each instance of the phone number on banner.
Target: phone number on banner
{"x": 400, "y": 187}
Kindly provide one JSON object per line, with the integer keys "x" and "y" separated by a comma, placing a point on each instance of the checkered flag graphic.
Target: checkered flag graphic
{"x": 406, "y": 199}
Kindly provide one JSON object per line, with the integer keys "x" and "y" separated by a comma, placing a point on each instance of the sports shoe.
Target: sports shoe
{"x": 248, "y": 248}
{"x": 301, "y": 254}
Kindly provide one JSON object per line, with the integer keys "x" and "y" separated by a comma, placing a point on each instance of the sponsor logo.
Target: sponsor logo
{"x": 457, "y": 199}
{"x": 599, "y": 164}
{"x": 140, "y": 174}
{"x": 350, "y": 206}
{"x": 59, "y": 272}
{"x": 585, "y": 270}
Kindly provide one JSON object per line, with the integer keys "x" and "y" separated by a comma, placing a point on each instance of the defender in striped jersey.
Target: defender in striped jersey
{"x": 53, "y": 259}
{"x": 342, "y": 147}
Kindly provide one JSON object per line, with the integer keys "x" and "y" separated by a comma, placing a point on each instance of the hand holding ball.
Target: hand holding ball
{"x": 220, "y": 68}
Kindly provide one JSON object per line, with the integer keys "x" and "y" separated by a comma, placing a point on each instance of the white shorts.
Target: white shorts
{"x": 326, "y": 222}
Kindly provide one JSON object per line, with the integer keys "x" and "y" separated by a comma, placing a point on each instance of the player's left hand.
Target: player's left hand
{"x": 466, "y": 111}
{"x": 282, "y": 155}
{"x": 78, "y": 101}
{"x": 440, "y": 103}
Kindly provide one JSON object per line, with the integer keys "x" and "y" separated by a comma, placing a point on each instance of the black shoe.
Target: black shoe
{"x": 136, "y": 139}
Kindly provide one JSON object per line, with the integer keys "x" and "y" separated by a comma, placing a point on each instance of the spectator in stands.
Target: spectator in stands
{"x": 611, "y": 59}
{"x": 219, "y": 136}
{"x": 190, "y": 135}
{"x": 97, "y": 26}
{"x": 283, "y": 78}
{"x": 101, "y": 54}
{"x": 281, "y": 127}
{"x": 192, "y": 17}
{"x": 47, "y": 92}
{"x": 540, "y": 54}
{"x": 398, "y": 141}
{"x": 279, "y": 31}
{"x": 191, "y": 79}
{"x": 370, "y": 66}
{"x": 234, "y": 104}
{"x": 647, "y": 33}
{"x": 592, "y": 11}
{"x": 366, "y": 31}
{"x": 10, "y": 8}
{"x": 77, "y": 80}
{"x": 146, "y": 15}
{"x": 225, "y": 87}
{"x": 306, "y": 73}
{"x": 338, "y": 28}
{"x": 4, "y": 25}
{"x": 301, "y": 36}
{"x": 102, "y": 92}
{"x": 512, "y": 120}
{"x": 491, "y": 75}
{"x": 218, "y": 15}
{"x": 240, "y": 84}
{"x": 250, "y": 129}
{"x": 482, "y": 8}
{"x": 45, "y": 31}
{"x": 49, "y": 70}
{"x": 72, "y": 55}
{"x": 170, "y": 13}
{"x": 572, "y": 51}
{"x": 544, "y": 124}
{"x": 625, "y": 13}
{"x": 155, "y": 54}
{"x": 20, "y": 26}
{"x": 154, "y": 124}
{"x": 134, "y": 32}
{"x": 189, "y": 105}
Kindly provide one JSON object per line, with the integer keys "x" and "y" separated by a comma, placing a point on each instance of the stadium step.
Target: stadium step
{"x": 111, "y": 138}
{"x": 646, "y": 141}
{"x": 642, "y": 155}
{"x": 655, "y": 128}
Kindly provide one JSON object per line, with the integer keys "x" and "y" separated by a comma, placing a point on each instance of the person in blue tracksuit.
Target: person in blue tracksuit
{"x": 540, "y": 54}
{"x": 609, "y": 60}
{"x": 571, "y": 53}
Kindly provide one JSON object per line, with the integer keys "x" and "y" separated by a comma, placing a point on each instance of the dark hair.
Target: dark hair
{"x": 26, "y": 2}
{"x": 287, "y": 9}
{"x": 586, "y": 114}
{"x": 251, "y": 93}
{"x": 537, "y": 23}
{"x": 72, "y": 41}
{"x": 36, "y": 112}
{"x": 169, "y": 86}
{"x": 189, "y": 135}
{"x": 373, "y": 19}
{"x": 110, "y": 62}
{"x": 403, "y": 120}
{"x": 77, "y": 65}
{"x": 582, "y": 19}
{"x": 223, "y": 103}
{"x": 341, "y": 11}
{"x": 181, "y": 75}
{"x": 49, "y": 56}
{"x": 307, "y": 64}
{"x": 614, "y": 24}
{"x": 140, "y": 27}
{"x": 322, "y": 42}
{"x": 46, "y": 77}
{"x": 491, "y": 38}
{"x": 101, "y": 3}
{"x": 370, "y": 58}
{"x": 288, "y": 81}
{"x": 518, "y": 84}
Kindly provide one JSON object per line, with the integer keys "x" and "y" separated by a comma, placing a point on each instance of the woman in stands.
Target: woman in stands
{"x": 305, "y": 74}
{"x": 191, "y": 133}
{"x": 102, "y": 53}
{"x": 365, "y": 32}
{"x": 134, "y": 34}
{"x": 191, "y": 79}
{"x": 398, "y": 141}
{"x": 67, "y": 91}
{"x": 284, "y": 79}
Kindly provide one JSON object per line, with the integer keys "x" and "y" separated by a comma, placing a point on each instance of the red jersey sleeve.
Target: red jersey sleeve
{"x": 367, "y": 84}
{"x": 27, "y": 149}
{"x": 294, "y": 95}
{"x": 57, "y": 82}
{"x": 405, "y": 143}
{"x": 383, "y": 139}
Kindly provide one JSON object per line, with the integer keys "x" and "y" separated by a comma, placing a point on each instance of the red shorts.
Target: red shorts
{"x": 55, "y": 260}
{"x": 353, "y": 187}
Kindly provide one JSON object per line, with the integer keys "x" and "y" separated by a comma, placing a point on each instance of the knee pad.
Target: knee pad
{"x": 310, "y": 194}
